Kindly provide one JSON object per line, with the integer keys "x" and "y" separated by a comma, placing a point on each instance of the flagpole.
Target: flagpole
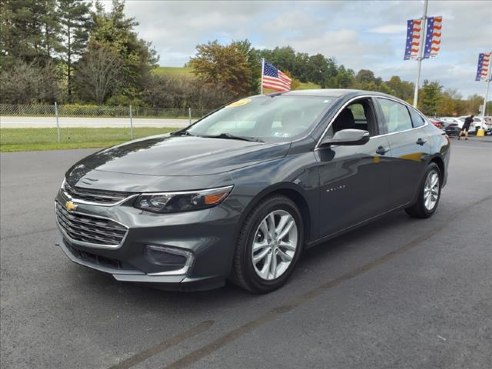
{"x": 423, "y": 30}
{"x": 262, "y": 70}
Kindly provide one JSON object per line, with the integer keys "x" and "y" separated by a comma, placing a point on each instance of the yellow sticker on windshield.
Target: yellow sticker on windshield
{"x": 239, "y": 103}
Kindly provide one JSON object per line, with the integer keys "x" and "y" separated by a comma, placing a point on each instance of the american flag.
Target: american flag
{"x": 433, "y": 37}
{"x": 414, "y": 33}
{"x": 483, "y": 66}
{"x": 274, "y": 78}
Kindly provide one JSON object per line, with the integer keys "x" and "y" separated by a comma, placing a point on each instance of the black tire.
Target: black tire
{"x": 244, "y": 273}
{"x": 419, "y": 208}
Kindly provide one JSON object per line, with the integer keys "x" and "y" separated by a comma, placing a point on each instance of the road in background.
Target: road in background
{"x": 122, "y": 122}
{"x": 398, "y": 293}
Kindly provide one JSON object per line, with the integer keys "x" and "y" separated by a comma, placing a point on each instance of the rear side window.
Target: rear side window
{"x": 417, "y": 119}
{"x": 396, "y": 116}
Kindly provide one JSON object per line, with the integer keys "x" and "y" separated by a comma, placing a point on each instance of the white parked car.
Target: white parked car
{"x": 450, "y": 120}
{"x": 478, "y": 122}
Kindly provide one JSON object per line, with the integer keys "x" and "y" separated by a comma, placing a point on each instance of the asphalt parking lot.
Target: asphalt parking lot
{"x": 399, "y": 293}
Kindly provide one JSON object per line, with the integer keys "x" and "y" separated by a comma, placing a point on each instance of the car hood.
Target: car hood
{"x": 181, "y": 156}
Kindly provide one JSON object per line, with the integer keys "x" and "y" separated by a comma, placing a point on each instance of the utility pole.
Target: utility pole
{"x": 262, "y": 72}
{"x": 421, "y": 52}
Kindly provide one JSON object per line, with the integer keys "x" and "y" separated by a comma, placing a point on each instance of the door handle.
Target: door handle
{"x": 420, "y": 142}
{"x": 381, "y": 150}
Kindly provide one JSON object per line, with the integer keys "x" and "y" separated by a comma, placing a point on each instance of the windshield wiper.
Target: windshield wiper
{"x": 181, "y": 133}
{"x": 234, "y": 137}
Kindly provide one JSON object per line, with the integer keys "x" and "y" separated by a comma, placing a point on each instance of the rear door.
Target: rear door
{"x": 409, "y": 148}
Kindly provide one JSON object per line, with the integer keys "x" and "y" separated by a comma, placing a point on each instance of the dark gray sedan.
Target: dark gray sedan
{"x": 238, "y": 195}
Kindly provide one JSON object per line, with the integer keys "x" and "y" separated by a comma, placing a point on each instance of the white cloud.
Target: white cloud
{"x": 389, "y": 28}
{"x": 358, "y": 34}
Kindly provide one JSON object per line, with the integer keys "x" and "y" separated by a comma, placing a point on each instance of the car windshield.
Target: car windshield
{"x": 263, "y": 118}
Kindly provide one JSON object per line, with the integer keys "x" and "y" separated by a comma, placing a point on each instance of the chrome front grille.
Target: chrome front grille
{"x": 95, "y": 196}
{"x": 88, "y": 229}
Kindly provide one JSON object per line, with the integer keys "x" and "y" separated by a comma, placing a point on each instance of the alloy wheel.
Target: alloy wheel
{"x": 274, "y": 245}
{"x": 431, "y": 190}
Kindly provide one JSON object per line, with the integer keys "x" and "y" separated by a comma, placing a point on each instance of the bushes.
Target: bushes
{"x": 92, "y": 110}
{"x": 29, "y": 83}
{"x": 181, "y": 92}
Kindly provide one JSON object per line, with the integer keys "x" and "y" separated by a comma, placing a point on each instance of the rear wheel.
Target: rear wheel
{"x": 269, "y": 245}
{"x": 429, "y": 194}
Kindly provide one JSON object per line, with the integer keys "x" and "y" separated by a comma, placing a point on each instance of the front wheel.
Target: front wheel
{"x": 269, "y": 245}
{"x": 429, "y": 194}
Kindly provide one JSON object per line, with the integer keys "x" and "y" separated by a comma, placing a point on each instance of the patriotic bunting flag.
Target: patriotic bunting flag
{"x": 433, "y": 37}
{"x": 483, "y": 66}
{"x": 414, "y": 33}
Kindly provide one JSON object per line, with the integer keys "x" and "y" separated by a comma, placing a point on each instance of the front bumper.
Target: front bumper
{"x": 207, "y": 236}
{"x": 167, "y": 282}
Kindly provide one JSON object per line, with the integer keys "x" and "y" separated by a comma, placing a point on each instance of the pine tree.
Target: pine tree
{"x": 29, "y": 31}
{"x": 75, "y": 21}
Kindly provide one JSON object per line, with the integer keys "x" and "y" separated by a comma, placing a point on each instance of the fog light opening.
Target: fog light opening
{"x": 175, "y": 261}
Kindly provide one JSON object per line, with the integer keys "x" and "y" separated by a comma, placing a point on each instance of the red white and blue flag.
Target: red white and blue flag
{"x": 433, "y": 37}
{"x": 274, "y": 79}
{"x": 414, "y": 33}
{"x": 483, "y": 66}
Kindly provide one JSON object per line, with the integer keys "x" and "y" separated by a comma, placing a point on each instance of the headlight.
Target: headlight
{"x": 171, "y": 202}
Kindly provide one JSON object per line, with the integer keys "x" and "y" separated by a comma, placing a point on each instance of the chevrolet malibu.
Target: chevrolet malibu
{"x": 242, "y": 192}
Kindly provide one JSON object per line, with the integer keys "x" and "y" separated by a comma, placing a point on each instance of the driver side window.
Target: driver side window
{"x": 357, "y": 115}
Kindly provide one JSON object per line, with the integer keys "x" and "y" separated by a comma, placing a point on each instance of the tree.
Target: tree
{"x": 401, "y": 89}
{"x": 74, "y": 17}
{"x": 320, "y": 70}
{"x": 472, "y": 105}
{"x": 98, "y": 74}
{"x": 30, "y": 83}
{"x": 29, "y": 31}
{"x": 429, "y": 97}
{"x": 365, "y": 76}
{"x": 112, "y": 30}
{"x": 224, "y": 67}
{"x": 448, "y": 104}
{"x": 345, "y": 78}
{"x": 182, "y": 92}
{"x": 299, "y": 70}
{"x": 254, "y": 63}
{"x": 283, "y": 58}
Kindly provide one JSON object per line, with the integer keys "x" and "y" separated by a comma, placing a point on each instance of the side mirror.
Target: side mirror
{"x": 347, "y": 137}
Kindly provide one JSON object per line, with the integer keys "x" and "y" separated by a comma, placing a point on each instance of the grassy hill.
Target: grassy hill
{"x": 186, "y": 71}
{"x": 173, "y": 71}
{"x": 307, "y": 86}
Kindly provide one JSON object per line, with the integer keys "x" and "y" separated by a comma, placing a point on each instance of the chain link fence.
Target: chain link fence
{"x": 75, "y": 123}
{"x": 75, "y": 110}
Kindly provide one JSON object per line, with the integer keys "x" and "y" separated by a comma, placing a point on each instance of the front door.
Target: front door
{"x": 354, "y": 180}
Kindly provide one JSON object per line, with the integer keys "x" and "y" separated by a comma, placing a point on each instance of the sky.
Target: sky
{"x": 358, "y": 34}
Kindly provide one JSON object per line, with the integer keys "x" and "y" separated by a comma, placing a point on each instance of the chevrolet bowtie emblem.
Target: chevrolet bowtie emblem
{"x": 69, "y": 205}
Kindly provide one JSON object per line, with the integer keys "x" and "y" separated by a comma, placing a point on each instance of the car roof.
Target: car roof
{"x": 333, "y": 92}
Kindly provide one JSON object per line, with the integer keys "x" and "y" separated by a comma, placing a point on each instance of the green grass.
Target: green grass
{"x": 173, "y": 71}
{"x": 307, "y": 86}
{"x": 40, "y": 139}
